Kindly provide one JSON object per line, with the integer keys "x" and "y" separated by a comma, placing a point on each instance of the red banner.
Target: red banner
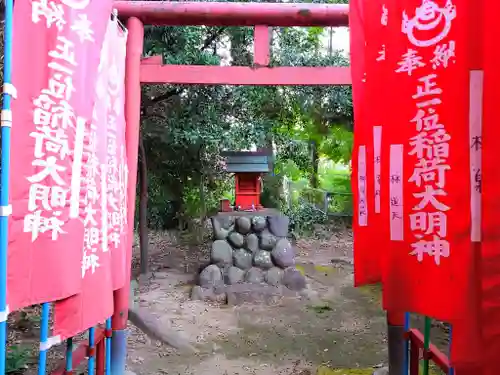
{"x": 104, "y": 185}
{"x": 366, "y": 258}
{"x": 466, "y": 345}
{"x": 430, "y": 257}
{"x": 57, "y": 44}
{"x": 368, "y": 26}
{"x": 490, "y": 183}
{"x": 117, "y": 162}
{"x": 377, "y": 27}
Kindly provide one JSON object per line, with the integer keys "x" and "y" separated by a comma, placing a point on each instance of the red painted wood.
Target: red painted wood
{"x": 133, "y": 118}
{"x": 234, "y": 13}
{"x": 438, "y": 357}
{"x": 242, "y": 75}
{"x": 396, "y": 318}
{"x": 262, "y": 45}
{"x": 100, "y": 358}
{"x": 247, "y": 191}
{"x": 225, "y": 205}
{"x": 414, "y": 357}
{"x": 80, "y": 353}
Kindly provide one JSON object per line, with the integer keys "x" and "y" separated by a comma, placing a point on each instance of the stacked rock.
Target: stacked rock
{"x": 251, "y": 249}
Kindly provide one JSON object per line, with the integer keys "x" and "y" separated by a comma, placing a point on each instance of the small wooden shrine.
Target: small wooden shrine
{"x": 248, "y": 167}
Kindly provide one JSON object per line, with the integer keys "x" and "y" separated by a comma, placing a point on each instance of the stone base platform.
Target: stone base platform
{"x": 239, "y": 294}
{"x": 251, "y": 259}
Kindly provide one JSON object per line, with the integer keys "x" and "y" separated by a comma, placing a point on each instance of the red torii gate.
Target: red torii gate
{"x": 238, "y": 14}
{"x": 136, "y": 14}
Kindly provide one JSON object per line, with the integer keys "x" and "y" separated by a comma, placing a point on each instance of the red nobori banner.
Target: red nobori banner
{"x": 467, "y": 350}
{"x": 117, "y": 161}
{"x": 104, "y": 186}
{"x": 489, "y": 181}
{"x": 368, "y": 23}
{"x": 377, "y": 27}
{"x": 55, "y": 62}
{"x": 430, "y": 257}
{"x": 366, "y": 260}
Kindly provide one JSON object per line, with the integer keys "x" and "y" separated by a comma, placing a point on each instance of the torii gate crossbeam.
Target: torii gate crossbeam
{"x": 233, "y": 14}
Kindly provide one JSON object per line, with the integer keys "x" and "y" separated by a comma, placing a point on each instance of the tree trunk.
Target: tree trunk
{"x": 143, "y": 208}
{"x": 315, "y": 164}
{"x": 330, "y": 41}
{"x": 203, "y": 203}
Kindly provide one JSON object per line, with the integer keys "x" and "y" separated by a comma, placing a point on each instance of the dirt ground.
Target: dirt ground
{"x": 337, "y": 330}
{"x": 338, "y": 326}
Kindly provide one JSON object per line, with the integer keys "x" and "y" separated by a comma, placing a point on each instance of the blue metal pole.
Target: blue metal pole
{"x": 452, "y": 370}
{"x": 69, "y": 355}
{"x": 406, "y": 359}
{"x": 44, "y": 339}
{"x": 4, "y": 178}
{"x": 118, "y": 351}
{"x": 108, "y": 347}
{"x": 91, "y": 345}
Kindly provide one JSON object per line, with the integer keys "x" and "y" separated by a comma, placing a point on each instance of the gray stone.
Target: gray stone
{"x": 236, "y": 239}
{"x": 259, "y": 223}
{"x": 274, "y": 276}
{"x": 283, "y": 254}
{"x": 252, "y": 242}
{"x": 197, "y": 293}
{"x": 222, "y": 253}
{"x": 254, "y": 275}
{"x": 293, "y": 279}
{"x": 242, "y": 259}
{"x": 207, "y": 294}
{"x": 220, "y": 233}
{"x": 267, "y": 240}
{"x": 243, "y": 225}
{"x": 211, "y": 276}
{"x": 253, "y": 293}
{"x": 278, "y": 225}
{"x": 158, "y": 329}
{"x": 218, "y": 290}
{"x": 226, "y": 221}
{"x": 235, "y": 275}
{"x": 263, "y": 260}
{"x": 134, "y": 289}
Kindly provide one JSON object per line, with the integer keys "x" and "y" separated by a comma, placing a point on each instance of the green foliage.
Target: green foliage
{"x": 161, "y": 205}
{"x": 185, "y": 128}
{"x": 337, "y": 146}
{"x": 288, "y": 168}
{"x": 18, "y": 357}
{"x": 308, "y": 206}
{"x": 303, "y": 217}
{"x": 313, "y": 196}
{"x": 336, "y": 179}
{"x": 272, "y": 195}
